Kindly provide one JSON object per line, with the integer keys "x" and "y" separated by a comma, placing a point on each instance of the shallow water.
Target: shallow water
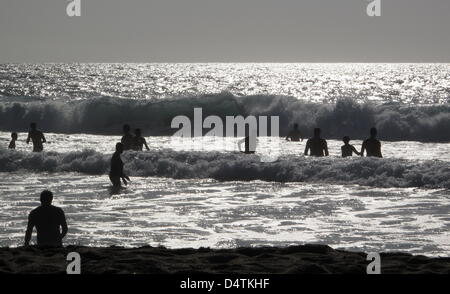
{"x": 63, "y": 143}
{"x": 399, "y": 203}
{"x": 196, "y": 213}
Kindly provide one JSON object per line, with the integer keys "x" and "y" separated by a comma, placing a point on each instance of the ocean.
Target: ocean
{"x": 202, "y": 192}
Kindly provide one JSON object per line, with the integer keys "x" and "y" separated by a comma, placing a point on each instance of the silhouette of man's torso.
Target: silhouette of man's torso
{"x": 37, "y": 138}
{"x": 317, "y": 146}
{"x": 250, "y": 145}
{"x": 138, "y": 143}
{"x": 48, "y": 220}
{"x": 347, "y": 150}
{"x": 372, "y": 147}
{"x": 295, "y": 135}
{"x": 116, "y": 165}
{"x": 128, "y": 142}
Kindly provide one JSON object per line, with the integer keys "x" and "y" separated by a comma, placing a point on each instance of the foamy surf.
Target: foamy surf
{"x": 239, "y": 167}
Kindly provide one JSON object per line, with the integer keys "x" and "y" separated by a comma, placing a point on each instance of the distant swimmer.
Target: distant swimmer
{"x": 139, "y": 141}
{"x": 128, "y": 138}
{"x": 12, "y": 144}
{"x": 37, "y": 137}
{"x": 295, "y": 135}
{"x": 348, "y": 149}
{"x": 249, "y": 142}
{"x": 116, "y": 173}
{"x": 316, "y": 145}
{"x": 372, "y": 146}
{"x": 50, "y": 223}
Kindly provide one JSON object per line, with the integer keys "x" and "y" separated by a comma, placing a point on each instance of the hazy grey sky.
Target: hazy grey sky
{"x": 225, "y": 30}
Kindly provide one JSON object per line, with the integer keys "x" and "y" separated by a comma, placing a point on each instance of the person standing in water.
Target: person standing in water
{"x": 295, "y": 135}
{"x": 37, "y": 137}
{"x": 316, "y": 145}
{"x": 116, "y": 173}
{"x": 127, "y": 139}
{"x": 50, "y": 223}
{"x": 372, "y": 146}
{"x": 139, "y": 141}
{"x": 12, "y": 144}
{"x": 249, "y": 142}
{"x": 347, "y": 149}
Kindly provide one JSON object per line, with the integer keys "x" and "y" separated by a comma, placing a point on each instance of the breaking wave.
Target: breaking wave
{"x": 238, "y": 167}
{"x": 105, "y": 115}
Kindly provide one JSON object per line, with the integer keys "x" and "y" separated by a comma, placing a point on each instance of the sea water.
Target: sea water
{"x": 202, "y": 191}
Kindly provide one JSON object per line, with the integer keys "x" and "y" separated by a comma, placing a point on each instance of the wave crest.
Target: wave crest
{"x": 238, "y": 167}
{"x": 105, "y": 115}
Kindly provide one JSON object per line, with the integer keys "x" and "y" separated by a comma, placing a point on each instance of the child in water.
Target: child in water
{"x": 139, "y": 141}
{"x": 12, "y": 144}
{"x": 348, "y": 149}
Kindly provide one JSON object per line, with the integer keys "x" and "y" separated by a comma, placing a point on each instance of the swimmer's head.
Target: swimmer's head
{"x": 46, "y": 197}
{"x": 14, "y": 136}
{"x": 346, "y": 139}
{"x": 317, "y": 132}
{"x": 373, "y": 132}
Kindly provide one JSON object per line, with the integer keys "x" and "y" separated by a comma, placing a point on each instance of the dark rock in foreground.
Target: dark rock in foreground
{"x": 305, "y": 259}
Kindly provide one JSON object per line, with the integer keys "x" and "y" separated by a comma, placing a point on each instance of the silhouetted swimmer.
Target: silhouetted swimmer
{"x": 37, "y": 137}
{"x": 249, "y": 142}
{"x": 116, "y": 173}
{"x": 12, "y": 144}
{"x": 372, "y": 146}
{"x": 316, "y": 145}
{"x": 139, "y": 141}
{"x": 48, "y": 220}
{"x": 348, "y": 149}
{"x": 295, "y": 135}
{"x": 127, "y": 139}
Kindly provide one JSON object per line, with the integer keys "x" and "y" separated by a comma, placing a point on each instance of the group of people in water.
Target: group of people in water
{"x": 317, "y": 146}
{"x": 34, "y": 135}
{"x": 50, "y": 221}
{"x": 128, "y": 142}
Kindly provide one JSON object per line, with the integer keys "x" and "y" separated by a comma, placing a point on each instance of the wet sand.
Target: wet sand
{"x": 305, "y": 259}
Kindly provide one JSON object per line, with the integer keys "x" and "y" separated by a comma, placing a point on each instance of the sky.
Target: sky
{"x": 224, "y": 31}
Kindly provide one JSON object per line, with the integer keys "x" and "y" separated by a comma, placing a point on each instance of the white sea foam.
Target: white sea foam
{"x": 239, "y": 167}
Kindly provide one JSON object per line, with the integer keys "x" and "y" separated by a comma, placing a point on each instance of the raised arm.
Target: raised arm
{"x": 43, "y": 138}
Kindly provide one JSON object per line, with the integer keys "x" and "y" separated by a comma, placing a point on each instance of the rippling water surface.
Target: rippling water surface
{"x": 195, "y": 213}
{"x": 202, "y": 191}
{"x": 405, "y": 83}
